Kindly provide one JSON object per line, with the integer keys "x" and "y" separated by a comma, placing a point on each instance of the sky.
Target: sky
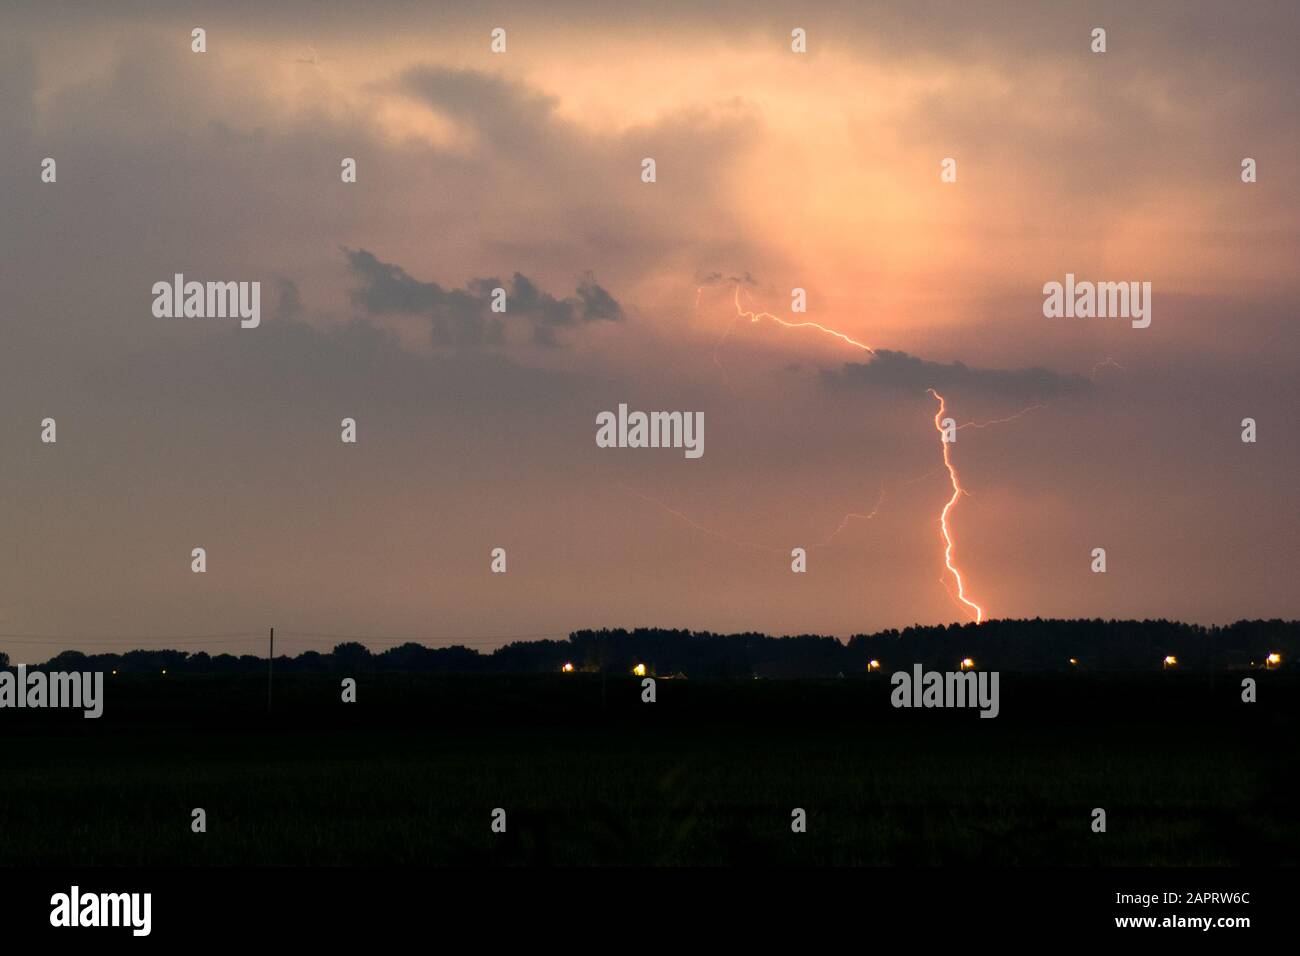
{"x": 522, "y": 170}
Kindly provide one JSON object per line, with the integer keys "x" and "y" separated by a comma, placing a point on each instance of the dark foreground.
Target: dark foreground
{"x": 708, "y": 774}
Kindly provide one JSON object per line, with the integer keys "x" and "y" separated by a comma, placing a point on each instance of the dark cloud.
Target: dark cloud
{"x": 899, "y": 370}
{"x": 463, "y": 318}
{"x": 288, "y": 300}
{"x": 717, "y": 278}
{"x": 597, "y": 304}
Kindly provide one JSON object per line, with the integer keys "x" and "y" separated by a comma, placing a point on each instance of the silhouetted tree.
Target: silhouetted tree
{"x": 351, "y": 655}
{"x": 1026, "y": 645}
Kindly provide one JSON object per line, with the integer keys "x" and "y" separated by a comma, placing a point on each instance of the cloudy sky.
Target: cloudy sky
{"x": 522, "y": 170}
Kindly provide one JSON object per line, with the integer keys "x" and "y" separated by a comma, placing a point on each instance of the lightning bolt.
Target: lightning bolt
{"x": 750, "y": 545}
{"x": 717, "y": 361}
{"x": 756, "y": 316}
{"x": 1101, "y": 366}
{"x": 957, "y": 492}
{"x": 747, "y": 545}
{"x": 844, "y": 522}
{"x": 1002, "y": 421}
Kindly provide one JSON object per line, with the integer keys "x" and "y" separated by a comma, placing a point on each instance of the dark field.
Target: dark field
{"x": 1187, "y": 773}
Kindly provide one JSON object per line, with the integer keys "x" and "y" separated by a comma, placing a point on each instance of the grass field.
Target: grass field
{"x": 708, "y": 774}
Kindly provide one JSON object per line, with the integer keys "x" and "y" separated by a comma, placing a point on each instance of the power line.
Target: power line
{"x": 72, "y": 638}
{"x": 416, "y": 639}
{"x": 308, "y": 637}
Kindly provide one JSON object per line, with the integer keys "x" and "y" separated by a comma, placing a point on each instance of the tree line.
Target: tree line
{"x": 1012, "y": 645}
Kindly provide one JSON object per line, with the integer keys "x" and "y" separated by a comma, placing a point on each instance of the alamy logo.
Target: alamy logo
{"x": 84, "y": 691}
{"x": 651, "y": 430}
{"x": 208, "y": 300}
{"x": 946, "y": 689}
{"x": 1086, "y": 300}
{"x": 103, "y": 909}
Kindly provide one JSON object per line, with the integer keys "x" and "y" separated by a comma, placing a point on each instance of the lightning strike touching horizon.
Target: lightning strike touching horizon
{"x": 957, "y": 492}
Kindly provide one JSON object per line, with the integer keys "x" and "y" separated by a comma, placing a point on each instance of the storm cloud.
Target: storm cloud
{"x": 775, "y": 172}
{"x": 898, "y": 370}
{"x": 463, "y": 318}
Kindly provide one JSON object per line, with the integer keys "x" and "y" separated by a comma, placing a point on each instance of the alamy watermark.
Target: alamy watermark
{"x": 964, "y": 688}
{"x": 208, "y": 300}
{"x": 75, "y": 908}
{"x": 651, "y": 430}
{"x": 1086, "y": 300}
{"x": 82, "y": 691}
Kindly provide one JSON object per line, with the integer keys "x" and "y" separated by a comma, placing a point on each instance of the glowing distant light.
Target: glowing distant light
{"x": 873, "y": 665}
{"x": 1273, "y": 660}
{"x": 1074, "y": 662}
{"x": 639, "y": 670}
{"x": 115, "y": 671}
{"x": 967, "y": 664}
{"x": 567, "y": 668}
{"x": 1171, "y": 661}
{"x": 164, "y": 670}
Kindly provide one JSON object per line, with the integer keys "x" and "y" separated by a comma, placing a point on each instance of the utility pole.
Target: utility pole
{"x": 270, "y": 667}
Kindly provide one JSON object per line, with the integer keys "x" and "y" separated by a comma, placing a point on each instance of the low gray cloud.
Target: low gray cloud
{"x": 288, "y": 303}
{"x": 898, "y": 370}
{"x": 717, "y": 278}
{"x": 463, "y": 318}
